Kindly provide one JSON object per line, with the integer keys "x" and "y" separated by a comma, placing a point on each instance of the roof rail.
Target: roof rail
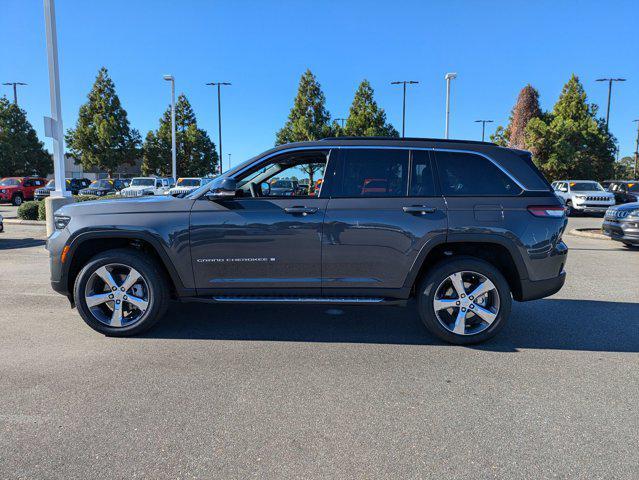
{"x": 409, "y": 139}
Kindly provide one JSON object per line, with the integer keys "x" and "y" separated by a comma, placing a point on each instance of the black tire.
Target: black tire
{"x": 17, "y": 199}
{"x": 631, "y": 246}
{"x": 438, "y": 274}
{"x": 159, "y": 292}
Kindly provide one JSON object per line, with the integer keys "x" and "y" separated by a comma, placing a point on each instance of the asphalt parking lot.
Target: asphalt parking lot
{"x": 308, "y": 392}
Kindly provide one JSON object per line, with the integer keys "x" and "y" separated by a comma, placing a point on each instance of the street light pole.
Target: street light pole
{"x": 483, "y": 127}
{"x": 15, "y": 90}
{"x": 448, "y": 77}
{"x": 219, "y": 117}
{"x": 171, "y": 78}
{"x": 404, "y": 82}
{"x": 609, "y": 80}
{"x": 229, "y": 160}
{"x": 635, "y": 175}
{"x": 53, "y": 124}
{"x": 341, "y": 120}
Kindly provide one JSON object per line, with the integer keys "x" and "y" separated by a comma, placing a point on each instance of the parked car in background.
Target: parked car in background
{"x": 141, "y": 186}
{"x": 18, "y": 189}
{"x": 469, "y": 227}
{"x": 188, "y": 184}
{"x": 283, "y": 187}
{"x": 73, "y": 185}
{"x": 105, "y": 186}
{"x": 625, "y": 191}
{"x": 621, "y": 223}
{"x": 586, "y": 196}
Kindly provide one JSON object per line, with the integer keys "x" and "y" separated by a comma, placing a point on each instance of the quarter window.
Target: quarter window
{"x": 369, "y": 172}
{"x": 467, "y": 174}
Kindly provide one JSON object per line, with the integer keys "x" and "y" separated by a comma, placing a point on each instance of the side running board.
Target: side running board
{"x": 299, "y": 300}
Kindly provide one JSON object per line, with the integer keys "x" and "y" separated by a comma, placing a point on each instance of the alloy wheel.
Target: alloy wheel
{"x": 117, "y": 295}
{"x": 466, "y": 303}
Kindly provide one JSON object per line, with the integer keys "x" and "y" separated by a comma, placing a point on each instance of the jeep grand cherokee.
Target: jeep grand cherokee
{"x": 461, "y": 227}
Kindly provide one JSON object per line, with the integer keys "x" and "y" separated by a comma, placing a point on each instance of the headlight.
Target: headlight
{"x": 61, "y": 221}
{"x": 634, "y": 213}
{"x": 580, "y": 197}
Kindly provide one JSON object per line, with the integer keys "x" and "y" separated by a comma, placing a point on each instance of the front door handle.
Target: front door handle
{"x": 419, "y": 209}
{"x": 296, "y": 210}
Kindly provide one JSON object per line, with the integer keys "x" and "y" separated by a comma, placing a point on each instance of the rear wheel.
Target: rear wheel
{"x": 464, "y": 300}
{"x": 17, "y": 199}
{"x": 121, "y": 293}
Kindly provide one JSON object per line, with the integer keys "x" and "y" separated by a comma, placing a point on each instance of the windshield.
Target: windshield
{"x": 585, "y": 187}
{"x": 188, "y": 182}
{"x": 142, "y": 182}
{"x": 100, "y": 184}
{"x": 9, "y": 182}
{"x": 50, "y": 184}
{"x": 283, "y": 184}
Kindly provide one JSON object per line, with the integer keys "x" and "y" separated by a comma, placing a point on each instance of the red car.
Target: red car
{"x": 18, "y": 189}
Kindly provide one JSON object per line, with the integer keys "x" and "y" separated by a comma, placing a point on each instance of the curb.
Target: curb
{"x": 17, "y": 221}
{"x": 588, "y": 233}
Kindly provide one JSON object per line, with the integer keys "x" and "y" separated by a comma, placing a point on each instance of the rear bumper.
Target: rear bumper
{"x": 534, "y": 290}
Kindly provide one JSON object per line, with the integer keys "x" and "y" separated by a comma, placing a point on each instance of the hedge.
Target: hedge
{"x": 28, "y": 210}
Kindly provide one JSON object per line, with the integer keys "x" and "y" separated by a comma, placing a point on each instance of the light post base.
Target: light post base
{"x": 51, "y": 204}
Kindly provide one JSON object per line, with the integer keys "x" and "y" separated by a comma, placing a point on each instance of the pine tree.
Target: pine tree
{"x": 366, "y": 118}
{"x": 195, "y": 152}
{"x": 21, "y": 153}
{"x": 526, "y": 108}
{"x": 102, "y": 136}
{"x": 571, "y": 141}
{"x": 308, "y": 119}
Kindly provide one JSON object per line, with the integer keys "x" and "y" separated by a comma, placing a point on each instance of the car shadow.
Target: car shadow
{"x": 15, "y": 243}
{"x": 543, "y": 324}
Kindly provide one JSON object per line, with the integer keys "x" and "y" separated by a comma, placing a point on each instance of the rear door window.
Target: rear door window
{"x": 469, "y": 174}
{"x": 373, "y": 172}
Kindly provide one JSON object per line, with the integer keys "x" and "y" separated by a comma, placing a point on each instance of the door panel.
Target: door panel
{"x": 372, "y": 243}
{"x": 253, "y": 243}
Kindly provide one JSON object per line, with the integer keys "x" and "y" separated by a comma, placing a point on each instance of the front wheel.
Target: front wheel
{"x": 17, "y": 200}
{"x": 121, "y": 293}
{"x": 464, "y": 300}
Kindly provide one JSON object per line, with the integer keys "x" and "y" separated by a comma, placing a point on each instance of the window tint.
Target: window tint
{"x": 373, "y": 173}
{"x": 422, "y": 183}
{"x": 470, "y": 174}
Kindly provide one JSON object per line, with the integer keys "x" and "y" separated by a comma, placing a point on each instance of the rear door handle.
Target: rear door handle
{"x": 419, "y": 209}
{"x": 300, "y": 209}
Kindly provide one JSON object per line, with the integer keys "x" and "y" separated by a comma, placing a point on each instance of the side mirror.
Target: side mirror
{"x": 225, "y": 188}
{"x": 265, "y": 187}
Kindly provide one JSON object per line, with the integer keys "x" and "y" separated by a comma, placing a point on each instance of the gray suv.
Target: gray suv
{"x": 460, "y": 227}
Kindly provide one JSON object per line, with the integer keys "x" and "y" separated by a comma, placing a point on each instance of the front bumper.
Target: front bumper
{"x": 589, "y": 208}
{"x": 626, "y": 231}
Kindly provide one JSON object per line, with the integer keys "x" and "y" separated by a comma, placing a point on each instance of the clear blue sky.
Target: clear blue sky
{"x": 264, "y": 46}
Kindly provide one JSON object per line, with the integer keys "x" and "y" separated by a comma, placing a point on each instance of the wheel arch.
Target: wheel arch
{"x": 88, "y": 244}
{"x": 495, "y": 249}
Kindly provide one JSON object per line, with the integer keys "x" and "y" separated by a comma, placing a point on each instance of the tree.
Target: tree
{"x": 365, "y": 118}
{"x": 102, "y": 136}
{"x": 21, "y": 153}
{"x": 571, "y": 141}
{"x": 526, "y": 108}
{"x": 195, "y": 152}
{"x": 308, "y": 119}
{"x": 625, "y": 169}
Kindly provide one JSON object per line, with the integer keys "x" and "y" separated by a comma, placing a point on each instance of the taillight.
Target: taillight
{"x": 547, "y": 211}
